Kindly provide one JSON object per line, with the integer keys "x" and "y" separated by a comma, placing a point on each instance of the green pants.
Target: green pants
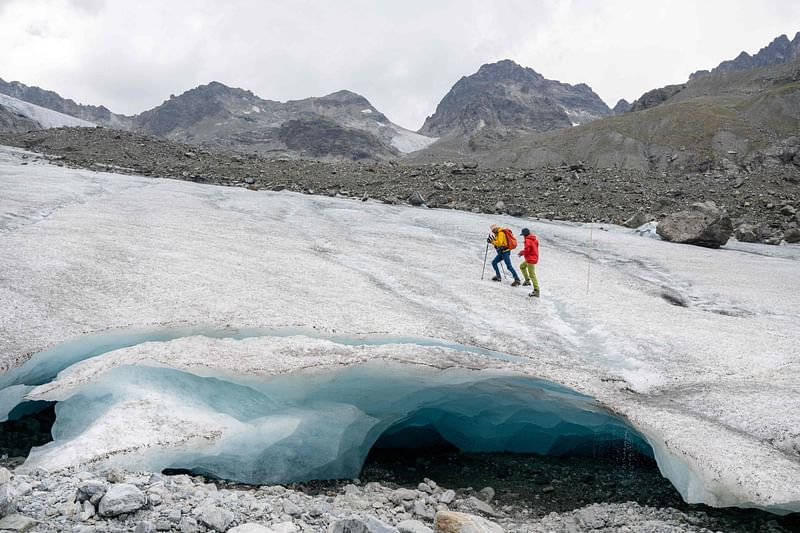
{"x": 529, "y": 271}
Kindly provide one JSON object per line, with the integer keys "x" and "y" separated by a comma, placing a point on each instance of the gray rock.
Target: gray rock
{"x": 792, "y": 235}
{"x": 188, "y": 525}
{"x": 486, "y": 494}
{"x": 413, "y": 526}
{"x": 517, "y": 211}
{"x": 251, "y": 528}
{"x": 285, "y": 527}
{"x": 747, "y": 233}
{"x": 8, "y": 500}
{"x": 480, "y": 505}
{"x": 368, "y": 524}
{"x": 500, "y": 206}
{"x": 91, "y": 489}
{"x": 121, "y": 498}
{"x": 400, "y": 495}
{"x": 788, "y": 210}
{"x": 447, "y": 497}
{"x": 423, "y": 510}
{"x": 638, "y": 219}
{"x": 215, "y": 518}
{"x": 702, "y": 225}
{"x": 416, "y": 198}
{"x": 17, "y": 522}
{"x": 292, "y": 509}
{"x": 5, "y": 475}
{"x": 452, "y": 522}
{"x": 145, "y": 527}
{"x": 174, "y": 516}
{"x": 589, "y": 518}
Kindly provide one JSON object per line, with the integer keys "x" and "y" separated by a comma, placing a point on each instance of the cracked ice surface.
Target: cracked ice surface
{"x": 712, "y": 384}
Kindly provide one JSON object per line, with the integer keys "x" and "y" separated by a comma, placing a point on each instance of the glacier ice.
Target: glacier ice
{"x": 321, "y": 424}
{"x": 84, "y": 252}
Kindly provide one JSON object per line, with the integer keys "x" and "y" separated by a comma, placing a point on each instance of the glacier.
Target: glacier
{"x": 691, "y": 353}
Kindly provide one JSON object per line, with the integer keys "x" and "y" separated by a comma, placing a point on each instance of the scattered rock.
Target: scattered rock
{"x": 702, "y": 225}
{"x": 481, "y": 506}
{"x": 215, "y": 518}
{"x": 447, "y": 497}
{"x": 452, "y": 522}
{"x": 401, "y": 495}
{"x": 145, "y": 527}
{"x": 486, "y": 494}
{"x": 121, "y": 498}
{"x": 8, "y": 501}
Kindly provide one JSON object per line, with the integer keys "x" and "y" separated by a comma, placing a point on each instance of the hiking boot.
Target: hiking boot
{"x": 516, "y": 282}
{"x": 534, "y": 294}
{"x": 526, "y": 283}
{"x": 496, "y": 278}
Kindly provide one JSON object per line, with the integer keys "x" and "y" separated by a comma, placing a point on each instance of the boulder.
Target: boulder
{"x": 703, "y": 224}
{"x": 638, "y": 219}
{"x": 792, "y": 235}
{"x": 452, "y": 522}
{"x": 747, "y": 233}
{"x": 121, "y": 498}
{"x": 416, "y": 198}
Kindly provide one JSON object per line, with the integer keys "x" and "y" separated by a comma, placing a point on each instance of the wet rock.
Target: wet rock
{"x": 747, "y": 233}
{"x": 121, "y": 498}
{"x": 452, "y": 522}
{"x": 17, "y": 523}
{"x": 215, "y": 518}
{"x": 416, "y": 198}
{"x": 703, "y": 225}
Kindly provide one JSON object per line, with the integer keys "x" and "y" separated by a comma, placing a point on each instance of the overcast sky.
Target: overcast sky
{"x": 403, "y": 55}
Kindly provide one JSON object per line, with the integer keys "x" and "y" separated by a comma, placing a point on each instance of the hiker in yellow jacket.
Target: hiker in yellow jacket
{"x": 499, "y": 240}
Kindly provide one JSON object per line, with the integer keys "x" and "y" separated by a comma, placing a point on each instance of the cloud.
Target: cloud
{"x": 402, "y": 56}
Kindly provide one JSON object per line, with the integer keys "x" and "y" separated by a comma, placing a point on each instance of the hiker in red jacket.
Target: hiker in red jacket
{"x": 531, "y": 254}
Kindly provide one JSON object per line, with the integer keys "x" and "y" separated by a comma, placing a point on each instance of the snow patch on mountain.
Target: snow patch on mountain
{"x": 47, "y": 118}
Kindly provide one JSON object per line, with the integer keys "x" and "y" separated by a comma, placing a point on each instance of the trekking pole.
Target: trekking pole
{"x": 485, "y": 255}
{"x": 588, "y": 258}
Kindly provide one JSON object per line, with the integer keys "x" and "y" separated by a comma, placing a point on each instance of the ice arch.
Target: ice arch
{"x": 322, "y": 424}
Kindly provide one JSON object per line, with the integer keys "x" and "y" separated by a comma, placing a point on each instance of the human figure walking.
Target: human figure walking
{"x": 530, "y": 251}
{"x": 500, "y": 241}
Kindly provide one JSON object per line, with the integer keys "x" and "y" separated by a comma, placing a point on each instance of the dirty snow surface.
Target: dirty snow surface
{"x": 697, "y": 348}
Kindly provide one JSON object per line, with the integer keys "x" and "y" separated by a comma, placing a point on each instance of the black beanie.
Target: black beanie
{"x": 526, "y": 231}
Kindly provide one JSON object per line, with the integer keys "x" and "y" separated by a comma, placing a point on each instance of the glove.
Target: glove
{"x": 489, "y": 240}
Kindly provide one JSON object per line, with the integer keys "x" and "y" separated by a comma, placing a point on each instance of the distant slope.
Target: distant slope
{"x": 218, "y": 116}
{"x": 23, "y": 116}
{"x": 728, "y": 120}
{"x": 504, "y": 100}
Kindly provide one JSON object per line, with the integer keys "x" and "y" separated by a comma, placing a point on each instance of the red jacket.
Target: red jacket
{"x": 531, "y": 249}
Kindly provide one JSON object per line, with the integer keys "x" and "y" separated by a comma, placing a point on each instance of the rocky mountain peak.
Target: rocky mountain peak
{"x": 504, "y": 99}
{"x": 780, "y": 50}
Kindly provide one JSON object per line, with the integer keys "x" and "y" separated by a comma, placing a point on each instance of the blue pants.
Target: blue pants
{"x": 504, "y": 256}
